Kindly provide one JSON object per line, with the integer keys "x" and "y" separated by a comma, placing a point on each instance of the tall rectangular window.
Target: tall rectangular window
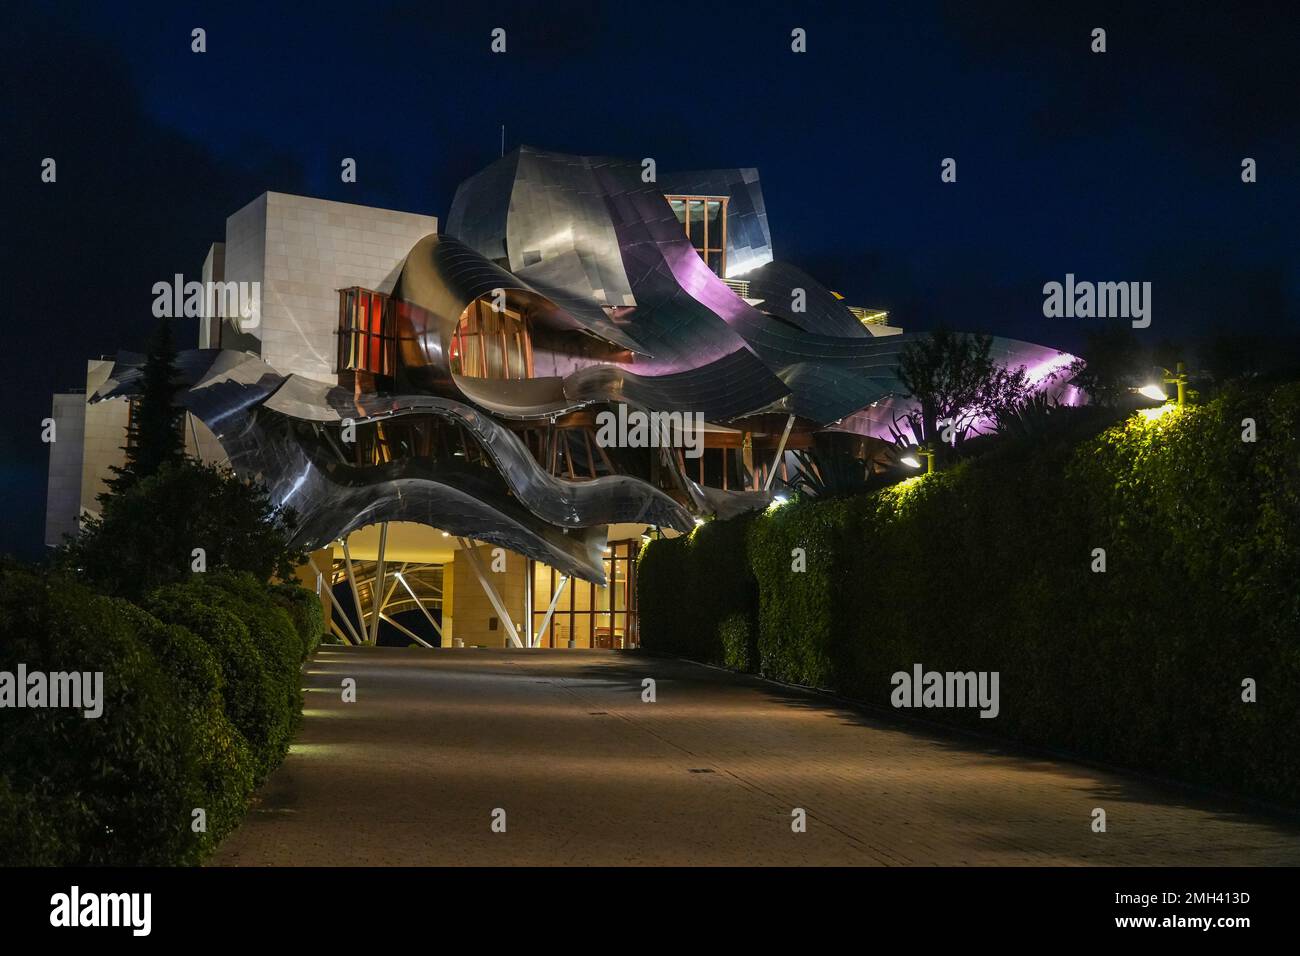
{"x": 366, "y": 339}
{"x": 591, "y": 616}
{"x": 704, "y": 219}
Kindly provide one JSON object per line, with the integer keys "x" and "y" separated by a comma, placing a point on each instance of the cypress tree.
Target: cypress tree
{"x": 154, "y": 437}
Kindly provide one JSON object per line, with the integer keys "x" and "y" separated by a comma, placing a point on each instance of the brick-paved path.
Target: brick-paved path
{"x": 588, "y": 774}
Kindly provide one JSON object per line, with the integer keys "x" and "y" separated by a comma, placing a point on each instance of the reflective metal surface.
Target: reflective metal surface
{"x": 775, "y": 284}
{"x": 749, "y": 241}
{"x": 593, "y": 261}
{"x": 268, "y": 425}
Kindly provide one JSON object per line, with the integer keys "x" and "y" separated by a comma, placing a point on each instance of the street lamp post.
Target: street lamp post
{"x": 922, "y": 451}
{"x": 1156, "y": 391}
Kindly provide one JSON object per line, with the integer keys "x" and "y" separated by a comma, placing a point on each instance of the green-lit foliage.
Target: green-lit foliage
{"x": 738, "y": 645}
{"x": 705, "y": 571}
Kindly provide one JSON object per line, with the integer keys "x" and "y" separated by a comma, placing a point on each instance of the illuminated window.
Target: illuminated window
{"x": 705, "y": 220}
{"x": 491, "y": 344}
{"x": 590, "y": 616}
{"x": 366, "y": 341}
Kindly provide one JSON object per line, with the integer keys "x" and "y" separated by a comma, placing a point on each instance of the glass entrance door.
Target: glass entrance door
{"x": 588, "y": 615}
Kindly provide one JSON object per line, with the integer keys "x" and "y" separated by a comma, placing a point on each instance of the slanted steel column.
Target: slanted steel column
{"x": 546, "y": 621}
{"x": 420, "y": 605}
{"x": 352, "y": 583}
{"x": 780, "y": 453}
{"x": 388, "y": 595}
{"x": 378, "y": 585}
{"x": 409, "y": 633}
{"x": 329, "y": 587}
{"x": 472, "y": 557}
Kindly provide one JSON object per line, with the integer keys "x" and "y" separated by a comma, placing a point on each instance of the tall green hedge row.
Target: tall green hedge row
{"x": 690, "y": 586}
{"x": 201, "y": 693}
{"x": 989, "y": 567}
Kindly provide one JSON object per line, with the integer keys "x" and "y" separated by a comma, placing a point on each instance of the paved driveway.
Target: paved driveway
{"x": 709, "y": 774}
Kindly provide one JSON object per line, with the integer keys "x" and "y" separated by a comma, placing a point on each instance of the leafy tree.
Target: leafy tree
{"x": 146, "y": 534}
{"x": 954, "y": 379}
{"x": 154, "y": 437}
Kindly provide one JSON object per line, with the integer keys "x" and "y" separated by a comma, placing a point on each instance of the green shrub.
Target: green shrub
{"x": 269, "y": 623}
{"x": 304, "y": 610}
{"x": 113, "y": 789}
{"x": 705, "y": 571}
{"x": 660, "y": 580}
{"x": 738, "y": 650}
{"x": 225, "y": 767}
{"x": 257, "y": 700}
{"x": 33, "y": 833}
{"x": 200, "y": 698}
{"x": 797, "y": 634}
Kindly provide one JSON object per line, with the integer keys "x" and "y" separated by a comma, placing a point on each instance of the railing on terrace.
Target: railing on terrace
{"x": 869, "y": 316}
{"x": 738, "y": 286}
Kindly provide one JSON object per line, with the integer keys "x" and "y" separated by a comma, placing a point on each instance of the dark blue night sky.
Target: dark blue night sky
{"x": 1122, "y": 166}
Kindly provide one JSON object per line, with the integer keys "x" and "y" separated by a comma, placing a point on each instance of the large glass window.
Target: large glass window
{"x": 704, "y": 218}
{"x": 366, "y": 341}
{"x": 591, "y": 616}
{"x": 491, "y": 344}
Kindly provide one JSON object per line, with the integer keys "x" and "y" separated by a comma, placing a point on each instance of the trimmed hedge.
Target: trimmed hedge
{"x": 224, "y": 771}
{"x": 988, "y": 567}
{"x": 305, "y": 613}
{"x": 193, "y": 716}
{"x": 253, "y": 698}
{"x": 94, "y": 784}
{"x": 688, "y": 586}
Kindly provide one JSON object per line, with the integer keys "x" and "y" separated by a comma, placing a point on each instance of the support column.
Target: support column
{"x": 780, "y": 453}
{"x": 378, "y": 585}
{"x": 550, "y": 611}
{"x": 408, "y": 632}
{"x": 352, "y": 583}
{"x": 420, "y": 604}
{"x": 388, "y": 595}
{"x": 329, "y": 587}
{"x": 530, "y": 577}
{"x": 476, "y": 565}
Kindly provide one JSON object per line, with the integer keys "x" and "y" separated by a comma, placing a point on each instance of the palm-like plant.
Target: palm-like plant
{"x": 829, "y": 476}
{"x": 1032, "y": 417}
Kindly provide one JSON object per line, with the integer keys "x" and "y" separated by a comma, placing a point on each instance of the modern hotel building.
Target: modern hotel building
{"x": 428, "y": 402}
